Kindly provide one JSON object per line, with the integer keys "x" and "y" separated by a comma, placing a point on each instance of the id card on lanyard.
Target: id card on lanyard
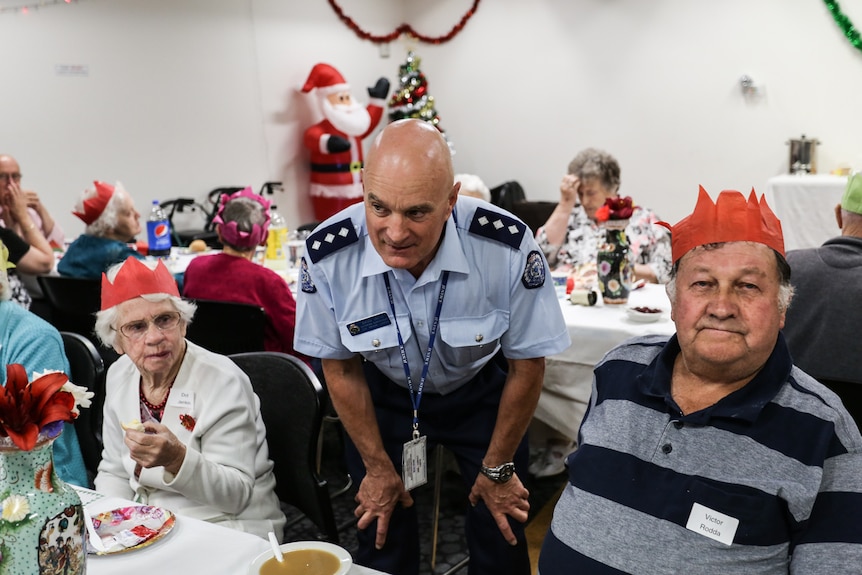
{"x": 414, "y": 457}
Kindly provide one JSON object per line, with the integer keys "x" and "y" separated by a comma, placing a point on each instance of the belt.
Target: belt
{"x": 336, "y": 168}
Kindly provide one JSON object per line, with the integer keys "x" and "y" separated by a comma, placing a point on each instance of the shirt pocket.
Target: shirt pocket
{"x": 466, "y": 340}
{"x": 359, "y": 336}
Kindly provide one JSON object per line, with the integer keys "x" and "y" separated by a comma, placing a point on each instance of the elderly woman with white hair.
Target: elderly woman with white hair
{"x": 182, "y": 426}
{"x": 473, "y": 186}
{"x": 112, "y": 222}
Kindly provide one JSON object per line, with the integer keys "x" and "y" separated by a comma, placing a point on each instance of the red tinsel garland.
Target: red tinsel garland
{"x": 403, "y": 28}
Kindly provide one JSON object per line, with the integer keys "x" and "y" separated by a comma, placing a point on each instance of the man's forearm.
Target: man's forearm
{"x": 517, "y": 404}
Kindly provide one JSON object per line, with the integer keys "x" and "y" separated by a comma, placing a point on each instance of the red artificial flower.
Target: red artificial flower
{"x": 615, "y": 209}
{"x": 187, "y": 421}
{"x": 25, "y": 408}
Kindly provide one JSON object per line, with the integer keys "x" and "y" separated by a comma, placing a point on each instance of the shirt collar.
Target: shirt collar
{"x": 745, "y": 403}
{"x": 450, "y": 256}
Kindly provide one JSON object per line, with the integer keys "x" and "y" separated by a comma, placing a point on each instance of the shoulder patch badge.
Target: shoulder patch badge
{"x": 534, "y": 271}
{"x": 498, "y": 226}
{"x": 330, "y": 239}
{"x": 305, "y": 283}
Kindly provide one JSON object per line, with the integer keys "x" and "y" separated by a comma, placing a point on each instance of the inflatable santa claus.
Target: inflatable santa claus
{"x": 336, "y": 142}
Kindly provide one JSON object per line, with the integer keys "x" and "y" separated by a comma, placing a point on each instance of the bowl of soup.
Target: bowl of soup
{"x": 304, "y": 558}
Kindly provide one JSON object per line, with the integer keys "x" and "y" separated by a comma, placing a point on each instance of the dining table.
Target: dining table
{"x": 805, "y": 205}
{"x": 191, "y": 546}
{"x": 594, "y": 330}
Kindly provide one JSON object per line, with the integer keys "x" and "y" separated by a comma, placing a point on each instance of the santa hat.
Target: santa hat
{"x": 730, "y": 219}
{"x": 326, "y": 79}
{"x": 94, "y": 200}
{"x": 135, "y": 279}
{"x": 231, "y": 233}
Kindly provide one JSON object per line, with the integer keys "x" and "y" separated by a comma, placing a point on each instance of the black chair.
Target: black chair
{"x": 73, "y": 302}
{"x": 291, "y": 404}
{"x": 87, "y": 369}
{"x": 534, "y": 214}
{"x": 227, "y": 327}
{"x": 507, "y": 194}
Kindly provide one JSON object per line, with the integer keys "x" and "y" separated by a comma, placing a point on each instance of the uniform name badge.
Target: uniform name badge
{"x": 414, "y": 463}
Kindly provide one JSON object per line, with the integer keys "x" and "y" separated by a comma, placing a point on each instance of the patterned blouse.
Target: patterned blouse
{"x": 650, "y": 243}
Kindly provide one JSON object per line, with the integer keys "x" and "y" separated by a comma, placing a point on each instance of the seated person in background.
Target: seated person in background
{"x": 822, "y": 324}
{"x": 27, "y": 339}
{"x": 711, "y": 448}
{"x": 182, "y": 426}
{"x": 241, "y": 223}
{"x": 473, "y": 186}
{"x": 30, "y": 252}
{"x": 10, "y": 178}
{"x": 112, "y": 222}
{"x": 571, "y": 236}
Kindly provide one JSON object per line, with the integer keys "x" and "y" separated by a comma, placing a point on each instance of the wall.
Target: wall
{"x": 182, "y": 96}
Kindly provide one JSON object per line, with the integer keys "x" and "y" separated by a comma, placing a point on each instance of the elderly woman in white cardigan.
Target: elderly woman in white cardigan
{"x": 182, "y": 425}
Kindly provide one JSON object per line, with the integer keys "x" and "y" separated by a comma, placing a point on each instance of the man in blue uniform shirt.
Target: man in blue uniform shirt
{"x": 408, "y": 298}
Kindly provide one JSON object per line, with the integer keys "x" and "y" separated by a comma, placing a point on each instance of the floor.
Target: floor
{"x": 451, "y": 546}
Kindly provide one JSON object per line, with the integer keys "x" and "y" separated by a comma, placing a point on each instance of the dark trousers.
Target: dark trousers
{"x": 463, "y": 422}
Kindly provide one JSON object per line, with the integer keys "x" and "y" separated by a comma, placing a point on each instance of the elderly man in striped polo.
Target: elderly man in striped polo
{"x": 710, "y": 451}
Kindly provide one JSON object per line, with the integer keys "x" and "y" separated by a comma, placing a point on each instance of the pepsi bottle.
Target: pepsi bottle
{"x": 158, "y": 232}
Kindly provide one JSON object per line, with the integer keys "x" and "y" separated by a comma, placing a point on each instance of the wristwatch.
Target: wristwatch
{"x": 500, "y": 474}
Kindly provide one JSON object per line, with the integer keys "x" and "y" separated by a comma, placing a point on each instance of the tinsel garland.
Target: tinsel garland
{"x": 403, "y": 28}
{"x": 27, "y": 7}
{"x": 845, "y": 24}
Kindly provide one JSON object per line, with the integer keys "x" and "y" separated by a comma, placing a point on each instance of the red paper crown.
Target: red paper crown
{"x": 94, "y": 204}
{"x": 136, "y": 279}
{"x": 730, "y": 219}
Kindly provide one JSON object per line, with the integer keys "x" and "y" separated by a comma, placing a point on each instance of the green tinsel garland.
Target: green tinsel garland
{"x": 846, "y": 25}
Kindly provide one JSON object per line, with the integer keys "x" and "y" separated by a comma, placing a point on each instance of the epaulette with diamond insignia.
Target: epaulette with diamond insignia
{"x": 497, "y": 226}
{"x": 330, "y": 239}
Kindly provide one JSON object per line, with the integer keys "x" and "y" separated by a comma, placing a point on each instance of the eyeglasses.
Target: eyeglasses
{"x": 5, "y": 177}
{"x": 135, "y": 330}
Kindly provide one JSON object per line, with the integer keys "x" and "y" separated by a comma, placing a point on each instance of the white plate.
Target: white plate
{"x": 642, "y": 317}
{"x": 344, "y": 559}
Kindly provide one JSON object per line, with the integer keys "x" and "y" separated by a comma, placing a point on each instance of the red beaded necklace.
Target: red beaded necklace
{"x": 155, "y": 410}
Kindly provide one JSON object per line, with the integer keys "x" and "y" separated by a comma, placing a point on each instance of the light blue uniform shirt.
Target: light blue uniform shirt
{"x": 498, "y": 296}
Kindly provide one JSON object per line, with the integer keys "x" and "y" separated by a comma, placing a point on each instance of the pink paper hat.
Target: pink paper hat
{"x": 231, "y": 233}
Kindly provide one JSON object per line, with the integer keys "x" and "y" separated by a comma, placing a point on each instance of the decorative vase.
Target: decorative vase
{"x": 615, "y": 269}
{"x": 41, "y": 518}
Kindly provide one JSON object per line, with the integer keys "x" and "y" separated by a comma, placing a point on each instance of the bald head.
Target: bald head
{"x": 411, "y": 144}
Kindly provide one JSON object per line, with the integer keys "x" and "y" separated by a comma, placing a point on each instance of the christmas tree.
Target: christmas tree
{"x": 412, "y": 100}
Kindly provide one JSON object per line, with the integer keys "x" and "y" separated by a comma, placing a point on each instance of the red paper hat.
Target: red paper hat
{"x": 730, "y": 219}
{"x": 94, "y": 202}
{"x": 326, "y": 79}
{"x": 136, "y": 279}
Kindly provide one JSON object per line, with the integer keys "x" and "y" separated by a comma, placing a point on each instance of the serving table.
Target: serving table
{"x": 594, "y": 330}
{"x": 192, "y": 546}
{"x": 805, "y": 204}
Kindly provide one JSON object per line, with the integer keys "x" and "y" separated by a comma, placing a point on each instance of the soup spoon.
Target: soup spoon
{"x": 276, "y": 548}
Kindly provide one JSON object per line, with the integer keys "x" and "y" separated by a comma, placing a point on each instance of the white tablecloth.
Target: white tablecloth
{"x": 594, "y": 331}
{"x": 192, "y": 546}
{"x": 806, "y": 207}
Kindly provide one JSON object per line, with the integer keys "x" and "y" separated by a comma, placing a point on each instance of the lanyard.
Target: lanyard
{"x": 416, "y": 398}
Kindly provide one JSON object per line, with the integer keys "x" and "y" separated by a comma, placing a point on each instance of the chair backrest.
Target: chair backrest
{"x": 87, "y": 369}
{"x": 227, "y": 327}
{"x": 507, "y": 194}
{"x": 534, "y": 214}
{"x": 291, "y": 404}
{"x": 73, "y": 302}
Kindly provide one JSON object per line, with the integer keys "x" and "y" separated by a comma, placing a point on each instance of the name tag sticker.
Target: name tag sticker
{"x": 184, "y": 399}
{"x": 368, "y": 324}
{"x": 704, "y": 521}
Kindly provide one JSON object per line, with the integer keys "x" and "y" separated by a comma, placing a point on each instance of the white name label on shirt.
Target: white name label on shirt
{"x": 184, "y": 399}
{"x": 712, "y": 524}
